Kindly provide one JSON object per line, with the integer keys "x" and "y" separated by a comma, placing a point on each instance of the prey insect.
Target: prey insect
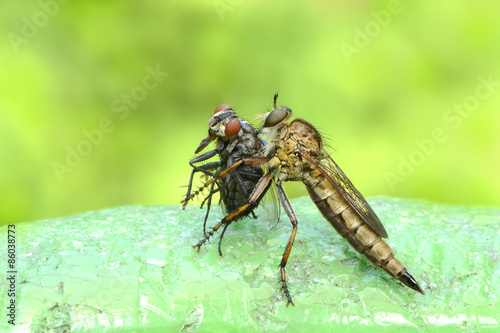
{"x": 235, "y": 140}
{"x": 295, "y": 152}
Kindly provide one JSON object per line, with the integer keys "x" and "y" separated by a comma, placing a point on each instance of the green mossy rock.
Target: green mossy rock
{"x": 134, "y": 268}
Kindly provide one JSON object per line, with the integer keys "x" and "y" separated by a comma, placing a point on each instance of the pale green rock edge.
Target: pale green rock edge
{"x": 133, "y": 269}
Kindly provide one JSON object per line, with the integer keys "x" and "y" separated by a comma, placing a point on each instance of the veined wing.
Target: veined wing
{"x": 270, "y": 207}
{"x": 343, "y": 185}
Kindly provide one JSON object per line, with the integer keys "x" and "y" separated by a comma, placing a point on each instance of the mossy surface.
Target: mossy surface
{"x": 134, "y": 268}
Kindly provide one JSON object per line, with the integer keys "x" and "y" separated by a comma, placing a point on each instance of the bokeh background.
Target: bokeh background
{"x": 407, "y": 92}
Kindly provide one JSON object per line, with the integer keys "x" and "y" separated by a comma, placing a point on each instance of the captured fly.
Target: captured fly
{"x": 235, "y": 139}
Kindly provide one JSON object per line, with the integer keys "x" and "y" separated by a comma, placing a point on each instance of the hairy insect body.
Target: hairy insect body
{"x": 302, "y": 139}
{"x": 246, "y": 144}
{"x": 236, "y": 140}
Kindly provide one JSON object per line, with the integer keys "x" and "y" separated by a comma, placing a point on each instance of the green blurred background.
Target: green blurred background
{"x": 383, "y": 80}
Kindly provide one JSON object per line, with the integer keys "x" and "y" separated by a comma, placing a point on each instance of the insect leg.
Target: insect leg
{"x": 203, "y": 168}
{"x": 237, "y": 174}
{"x": 248, "y": 160}
{"x": 248, "y": 175}
{"x": 293, "y": 219}
{"x": 210, "y": 194}
{"x": 209, "y": 203}
{"x": 227, "y": 179}
{"x": 201, "y": 158}
{"x": 257, "y": 194}
{"x": 222, "y": 236}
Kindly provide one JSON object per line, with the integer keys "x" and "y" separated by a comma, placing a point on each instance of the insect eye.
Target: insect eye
{"x": 233, "y": 127}
{"x": 276, "y": 116}
{"x": 223, "y": 107}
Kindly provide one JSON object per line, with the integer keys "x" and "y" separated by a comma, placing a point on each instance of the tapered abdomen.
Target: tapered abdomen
{"x": 359, "y": 234}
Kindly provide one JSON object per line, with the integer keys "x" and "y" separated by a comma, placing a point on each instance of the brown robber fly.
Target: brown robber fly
{"x": 235, "y": 139}
{"x": 295, "y": 152}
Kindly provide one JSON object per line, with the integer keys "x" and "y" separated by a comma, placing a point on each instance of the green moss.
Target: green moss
{"x": 134, "y": 267}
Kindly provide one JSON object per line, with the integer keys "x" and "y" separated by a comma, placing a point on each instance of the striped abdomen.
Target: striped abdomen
{"x": 352, "y": 227}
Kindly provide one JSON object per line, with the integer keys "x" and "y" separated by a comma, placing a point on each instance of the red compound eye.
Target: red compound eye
{"x": 223, "y": 107}
{"x": 233, "y": 127}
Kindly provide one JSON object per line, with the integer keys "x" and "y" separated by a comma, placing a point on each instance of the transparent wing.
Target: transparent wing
{"x": 343, "y": 185}
{"x": 269, "y": 207}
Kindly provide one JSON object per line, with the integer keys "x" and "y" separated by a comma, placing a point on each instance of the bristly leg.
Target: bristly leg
{"x": 222, "y": 236}
{"x": 284, "y": 287}
{"x": 293, "y": 219}
{"x": 258, "y": 193}
{"x": 208, "y": 235}
{"x": 209, "y": 204}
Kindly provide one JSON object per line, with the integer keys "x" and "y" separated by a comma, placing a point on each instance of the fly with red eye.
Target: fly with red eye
{"x": 235, "y": 139}
{"x": 225, "y": 114}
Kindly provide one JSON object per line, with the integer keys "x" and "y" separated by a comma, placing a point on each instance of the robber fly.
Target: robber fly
{"x": 236, "y": 139}
{"x": 295, "y": 152}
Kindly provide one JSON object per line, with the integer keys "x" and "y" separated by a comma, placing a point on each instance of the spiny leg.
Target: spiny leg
{"x": 239, "y": 180}
{"x": 248, "y": 160}
{"x": 237, "y": 175}
{"x": 210, "y": 194}
{"x": 293, "y": 219}
{"x": 211, "y": 181}
{"x": 209, "y": 204}
{"x": 203, "y": 157}
{"x": 208, "y": 235}
{"x": 205, "y": 167}
{"x": 258, "y": 192}
{"x": 208, "y": 198}
{"x": 222, "y": 236}
{"x": 248, "y": 175}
